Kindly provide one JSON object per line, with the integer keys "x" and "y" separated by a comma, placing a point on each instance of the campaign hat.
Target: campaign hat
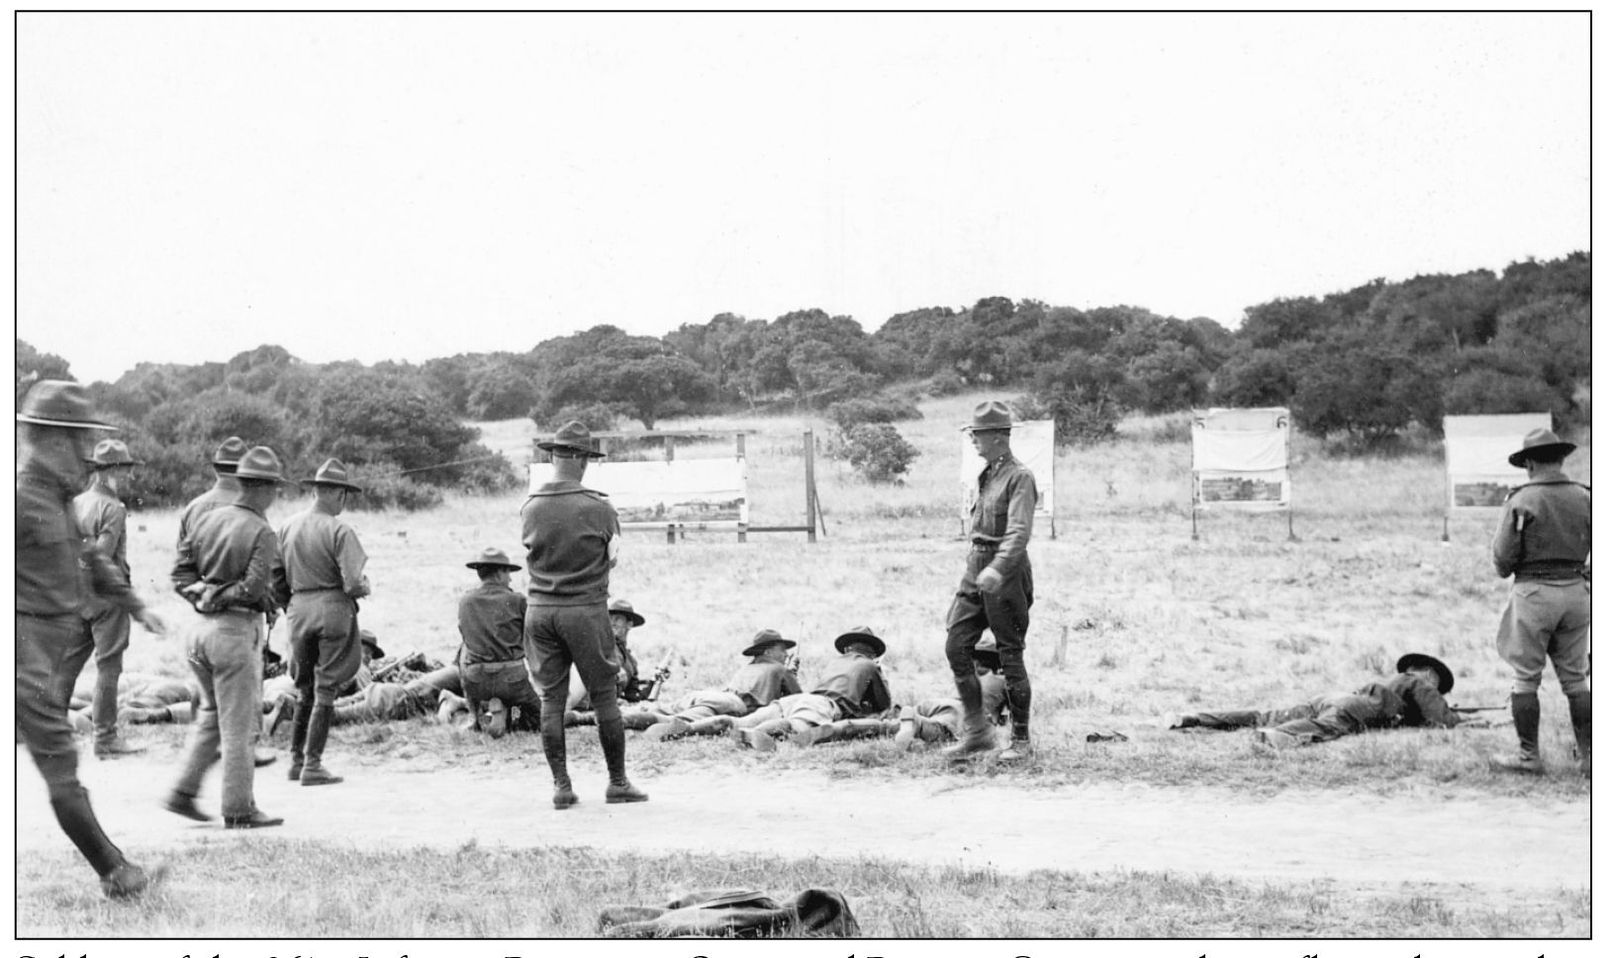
{"x": 229, "y": 451}
{"x": 624, "y": 607}
{"x": 368, "y": 638}
{"x": 492, "y": 558}
{"x": 112, "y": 452}
{"x": 1415, "y": 660}
{"x": 572, "y": 437}
{"x": 765, "y": 640}
{"x": 60, "y": 402}
{"x": 991, "y": 415}
{"x": 860, "y": 634}
{"x": 331, "y": 472}
{"x": 1541, "y": 444}
{"x": 260, "y": 464}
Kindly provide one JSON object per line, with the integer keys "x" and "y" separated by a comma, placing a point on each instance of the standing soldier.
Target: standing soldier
{"x": 225, "y": 489}
{"x": 103, "y": 625}
{"x": 1544, "y": 541}
{"x": 51, "y": 445}
{"x": 571, "y": 536}
{"x": 996, "y": 589}
{"x": 493, "y": 662}
{"x": 325, "y": 573}
{"x": 225, "y": 567}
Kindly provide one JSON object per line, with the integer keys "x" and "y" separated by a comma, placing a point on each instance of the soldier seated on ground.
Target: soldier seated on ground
{"x": 853, "y": 687}
{"x": 629, "y": 687}
{"x": 759, "y": 682}
{"x": 1415, "y": 696}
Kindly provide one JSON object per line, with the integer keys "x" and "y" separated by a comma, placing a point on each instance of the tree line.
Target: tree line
{"x": 1366, "y": 364}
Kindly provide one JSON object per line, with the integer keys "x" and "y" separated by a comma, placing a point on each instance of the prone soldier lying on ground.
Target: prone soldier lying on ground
{"x": 853, "y": 687}
{"x": 931, "y": 720}
{"x": 1414, "y": 696}
{"x": 759, "y": 682}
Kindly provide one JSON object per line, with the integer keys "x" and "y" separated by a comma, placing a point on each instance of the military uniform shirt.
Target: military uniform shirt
{"x": 567, "y": 530}
{"x": 1003, "y": 511}
{"x": 856, "y": 684}
{"x": 50, "y": 580}
{"x": 226, "y": 490}
{"x": 491, "y": 622}
{"x": 321, "y": 552}
{"x": 761, "y": 683}
{"x": 234, "y": 547}
{"x": 1546, "y": 530}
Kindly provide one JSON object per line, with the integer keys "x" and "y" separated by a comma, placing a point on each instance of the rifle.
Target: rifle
{"x": 380, "y": 675}
{"x": 651, "y": 689}
{"x": 793, "y": 661}
{"x": 1471, "y": 709}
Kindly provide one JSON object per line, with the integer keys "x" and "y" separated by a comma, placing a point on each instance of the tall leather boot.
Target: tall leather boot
{"x": 119, "y": 878}
{"x": 977, "y": 735}
{"x": 1526, "y": 709}
{"x": 319, "y": 728}
{"x": 300, "y": 720}
{"x": 552, "y": 733}
{"x": 1580, "y": 716}
{"x": 615, "y": 746}
{"x": 1019, "y": 695}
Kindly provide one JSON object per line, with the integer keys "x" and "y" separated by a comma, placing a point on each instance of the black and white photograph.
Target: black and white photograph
{"x": 861, "y": 483}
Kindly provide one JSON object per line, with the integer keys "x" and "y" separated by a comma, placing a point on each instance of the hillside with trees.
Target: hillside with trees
{"x": 1364, "y": 365}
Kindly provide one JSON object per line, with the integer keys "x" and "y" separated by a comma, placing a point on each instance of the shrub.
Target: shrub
{"x": 1491, "y": 391}
{"x": 878, "y": 452}
{"x": 385, "y": 488}
{"x": 1081, "y": 417}
{"x": 856, "y": 412}
{"x": 597, "y": 416}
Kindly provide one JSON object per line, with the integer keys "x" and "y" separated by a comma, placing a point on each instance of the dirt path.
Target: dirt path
{"x": 1472, "y": 841}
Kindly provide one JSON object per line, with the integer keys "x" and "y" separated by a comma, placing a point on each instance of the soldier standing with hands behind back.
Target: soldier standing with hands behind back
{"x": 995, "y": 592}
{"x": 571, "y": 535}
{"x": 52, "y": 442}
{"x": 324, "y": 568}
{"x": 1543, "y": 542}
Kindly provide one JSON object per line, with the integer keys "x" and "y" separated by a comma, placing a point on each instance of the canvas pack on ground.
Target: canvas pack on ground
{"x": 734, "y": 913}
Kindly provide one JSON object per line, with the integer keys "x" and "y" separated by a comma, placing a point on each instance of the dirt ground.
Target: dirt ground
{"x": 1469, "y": 847}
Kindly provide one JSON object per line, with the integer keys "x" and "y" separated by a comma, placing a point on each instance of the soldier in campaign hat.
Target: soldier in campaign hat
{"x": 852, "y": 687}
{"x": 571, "y": 535}
{"x": 492, "y": 658}
{"x": 996, "y": 590}
{"x": 1544, "y": 541}
{"x": 104, "y": 626}
{"x": 1414, "y": 696}
{"x": 225, "y": 567}
{"x": 324, "y": 568}
{"x": 762, "y": 681}
{"x": 55, "y": 434}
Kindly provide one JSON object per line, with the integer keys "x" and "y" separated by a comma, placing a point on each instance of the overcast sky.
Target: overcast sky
{"x": 393, "y": 186}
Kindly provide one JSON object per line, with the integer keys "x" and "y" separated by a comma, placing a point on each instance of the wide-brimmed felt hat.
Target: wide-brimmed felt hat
{"x": 60, "y": 402}
{"x": 1541, "y": 444}
{"x": 990, "y": 415}
{"x": 332, "y": 472}
{"x": 1414, "y": 660}
{"x": 112, "y": 452}
{"x": 260, "y": 464}
{"x": 368, "y": 638}
{"x": 494, "y": 558}
{"x": 229, "y": 451}
{"x": 860, "y": 634}
{"x": 572, "y": 437}
{"x": 765, "y": 640}
{"x": 624, "y": 607}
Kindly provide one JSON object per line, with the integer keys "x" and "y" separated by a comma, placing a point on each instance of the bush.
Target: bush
{"x": 1491, "y": 391}
{"x": 1080, "y": 416}
{"x": 856, "y": 412}
{"x": 385, "y": 488}
{"x": 878, "y": 452}
{"x": 597, "y": 416}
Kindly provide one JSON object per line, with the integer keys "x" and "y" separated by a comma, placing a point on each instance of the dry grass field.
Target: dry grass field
{"x": 1134, "y": 621}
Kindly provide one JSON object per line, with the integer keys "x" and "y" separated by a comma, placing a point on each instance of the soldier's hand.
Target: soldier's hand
{"x": 152, "y": 622}
{"x": 989, "y": 580}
